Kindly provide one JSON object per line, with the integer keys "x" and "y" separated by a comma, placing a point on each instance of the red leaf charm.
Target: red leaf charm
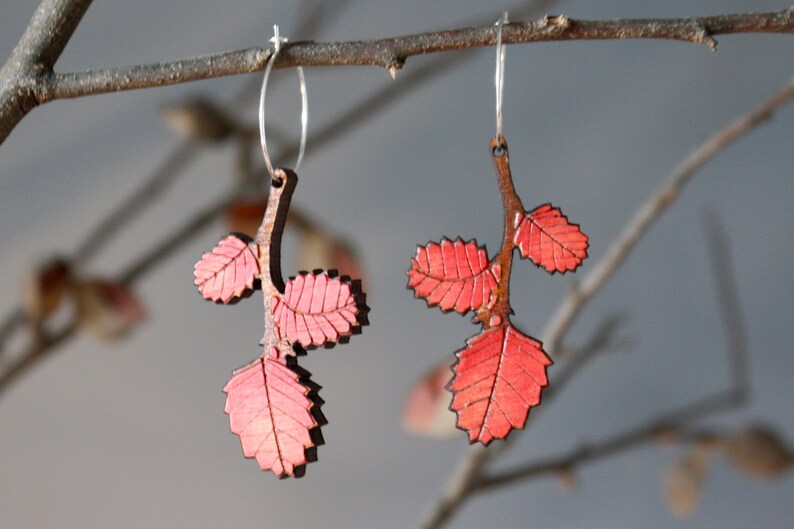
{"x": 547, "y": 238}
{"x": 270, "y": 408}
{"x": 228, "y": 271}
{"x": 498, "y": 378}
{"x": 316, "y": 309}
{"x": 272, "y": 405}
{"x": 453, "y": 275}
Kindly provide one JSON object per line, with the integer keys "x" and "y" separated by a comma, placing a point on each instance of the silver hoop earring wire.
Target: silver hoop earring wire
{"x": 500, "y": 73}
{"x": 277, "y": 41}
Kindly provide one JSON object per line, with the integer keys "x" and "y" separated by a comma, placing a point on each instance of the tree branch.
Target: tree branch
{"x": 729, "y": 307}
{"x": 45, "y": 38}
{"x": 471, "y": 465}
{"x": 392, "y": 53}
{"x": 50, "y": 29}
{"x": 20, "y": 93}
{"x": 586, "y": 454}
{"x": 656, "y": 205}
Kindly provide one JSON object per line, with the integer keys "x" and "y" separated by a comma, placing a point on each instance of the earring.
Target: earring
{"x": 500, "y": 373}
{"x": 272, "y": 404}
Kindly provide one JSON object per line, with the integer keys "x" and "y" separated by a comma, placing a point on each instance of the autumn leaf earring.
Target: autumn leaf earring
{"x": 272, "y": 404}
{"x": 500, "y": 373}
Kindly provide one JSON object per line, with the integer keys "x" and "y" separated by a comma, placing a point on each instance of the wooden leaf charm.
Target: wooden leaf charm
{"x": 316, "y": 309}
{"x": 228, "y": 271}
{"x": 500, "y": 373}
{"x": 498, "y": 378}
{"x": 547, "y": 238}
{"x": 453, "y": 275}
{"x": 270, "y": 409}
{"x": 271, "y": 404}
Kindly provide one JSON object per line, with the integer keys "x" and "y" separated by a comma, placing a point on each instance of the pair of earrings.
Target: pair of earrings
{"x": 272, "y": 404}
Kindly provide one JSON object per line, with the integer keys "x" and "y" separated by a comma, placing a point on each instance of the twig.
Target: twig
{"x": 391, "y": 53}
{"x": 132, "y": 207}
{"x": 13, "y": 321}
{"x": 178, "y": 238}
{"x": 601, "y": 340}
{"x": 39, "y": 349}
{"x": 42, "y": 347}
{"x": 730, "y": 309}
{"x": 656, "y": 205}
{"x": 589, "y": 453}
{"x": 475, "y": 458}
{"x": 673, "y": 421}
{"x": 35, "y": 54}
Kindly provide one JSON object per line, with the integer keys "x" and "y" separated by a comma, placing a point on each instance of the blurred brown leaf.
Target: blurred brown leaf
{"x": 427, "y": 409}
{"x": 44, "y": 287}
{"x": 567, "y": 480}
{"x": 108, "y": 310}
{"x": 684, "y": 479}
{"x": 199, "y": 120}
{"x": 245, "y": 216}
{"x": 758, "y": 452}
{"x": 318, "y": 249}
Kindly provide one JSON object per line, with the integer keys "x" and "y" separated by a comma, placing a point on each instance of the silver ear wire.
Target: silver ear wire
{"x": 277, "y": 41}
{"x": 500, "y": 72}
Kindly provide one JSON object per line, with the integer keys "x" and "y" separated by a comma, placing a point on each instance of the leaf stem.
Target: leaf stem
{"x": 497, "y": 314}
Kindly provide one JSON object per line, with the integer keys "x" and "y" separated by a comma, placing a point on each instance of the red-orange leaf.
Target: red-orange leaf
{"x": 453, "y": 275}
{"x": 547, "y": 238}
{"x": 228, "y": 271}
{"x": 316, "y": 309}
{"x": 270, "y": 408}
{"x": 498, "y": 378}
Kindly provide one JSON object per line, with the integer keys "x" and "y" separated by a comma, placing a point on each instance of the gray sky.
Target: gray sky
{"x": 134, "y": 434}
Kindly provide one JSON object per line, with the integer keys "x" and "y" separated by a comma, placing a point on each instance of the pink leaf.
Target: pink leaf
{"x": 228, "y": 271}
{"x": 427, "y": 410}
{"x": 547, "y": 238}
{"x": 453, "y": 275}
{"x": 270, "y": 408}
{"x": 316, "y": 309}
{"x": 498, "y": 378}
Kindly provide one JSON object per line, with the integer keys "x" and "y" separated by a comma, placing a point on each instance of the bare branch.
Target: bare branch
{"x": 601, "y": 340}
{"x": 21, "y": 88}
{"x": 728, "y": 297}
{"x": 39, "y": 349}
{"x": 162, "y": 177}
{"x": 588, "y": 453}
{"x": 45, "y": 38}
{"x": 474, "y": 459}
{"x": 656, "y": 205}
{"x": 391, "y": 53}
{"x": 461, "y": 484}
{"x": 13, "y": 321}
{"x": 50, "y": 29}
